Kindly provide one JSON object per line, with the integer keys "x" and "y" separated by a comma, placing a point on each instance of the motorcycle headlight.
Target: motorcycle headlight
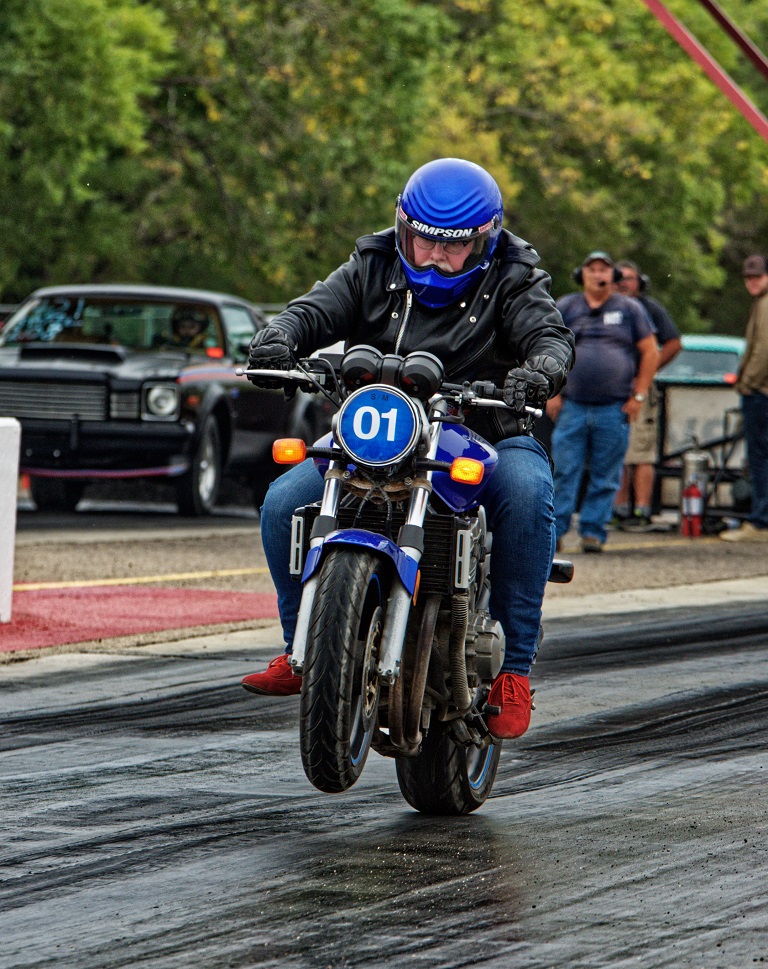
{"x": 160, "y": 402}
{"x": 378, "y": 426}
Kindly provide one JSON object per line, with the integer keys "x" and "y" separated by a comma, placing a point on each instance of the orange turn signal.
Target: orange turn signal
{"x": 467, "y": 471}
{"x": 289, "y": 450}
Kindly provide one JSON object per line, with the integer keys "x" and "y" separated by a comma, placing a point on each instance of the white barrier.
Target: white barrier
{"x": 10, "y": 441}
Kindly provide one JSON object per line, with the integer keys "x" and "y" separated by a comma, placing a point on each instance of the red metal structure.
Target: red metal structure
{"x": 737, "y": 35}
{"x": 709, "y": 65}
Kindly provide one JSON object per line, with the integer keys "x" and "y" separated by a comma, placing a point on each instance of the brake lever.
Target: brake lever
{"x": 304, "y": 379}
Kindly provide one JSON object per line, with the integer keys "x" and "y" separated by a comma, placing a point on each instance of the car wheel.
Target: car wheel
{"x": 56, "y": 494}
{"x": 198, "y": 490}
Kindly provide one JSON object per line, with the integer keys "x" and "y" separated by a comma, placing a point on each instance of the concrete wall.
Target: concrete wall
{"x": 10, "y": 440}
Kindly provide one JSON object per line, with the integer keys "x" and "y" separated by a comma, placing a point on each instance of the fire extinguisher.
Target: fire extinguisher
{"x": 693, "y": 510}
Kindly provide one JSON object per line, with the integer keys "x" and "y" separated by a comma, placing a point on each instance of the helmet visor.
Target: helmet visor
{"x": 415, "y": 239}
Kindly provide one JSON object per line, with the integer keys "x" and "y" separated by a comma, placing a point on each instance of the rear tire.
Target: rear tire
{"x": 446, "y": 778}
{"x": 340, "y": 688}
{"x": 56, "y": 494}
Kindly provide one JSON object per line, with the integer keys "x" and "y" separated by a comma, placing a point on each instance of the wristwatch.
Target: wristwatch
{"x": 639, "y": 398}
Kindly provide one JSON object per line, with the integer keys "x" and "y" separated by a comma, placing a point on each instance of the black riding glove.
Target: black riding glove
{"x": 525, "y": 387}
{"x": 271, "y": 349}
{"x": 553, "y": 369}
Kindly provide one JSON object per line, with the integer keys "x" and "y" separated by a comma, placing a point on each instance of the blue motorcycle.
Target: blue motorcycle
{"x": 394, "y": 639}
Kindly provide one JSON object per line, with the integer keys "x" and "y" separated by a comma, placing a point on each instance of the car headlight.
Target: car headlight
{"x": 160, "y": 402}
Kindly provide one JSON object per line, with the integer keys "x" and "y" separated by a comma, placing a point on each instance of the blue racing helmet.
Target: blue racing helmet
{"x": 454, "y": 203}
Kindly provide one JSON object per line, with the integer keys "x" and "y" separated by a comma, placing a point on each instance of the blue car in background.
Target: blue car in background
{"x": 705, "y": 360}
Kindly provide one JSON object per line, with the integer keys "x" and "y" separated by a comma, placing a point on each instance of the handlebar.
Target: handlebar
{"x": 480, "y": 393}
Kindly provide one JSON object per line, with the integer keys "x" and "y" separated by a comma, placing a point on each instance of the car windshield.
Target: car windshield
{"x": 701, "y": 365}
{"x": 135, "y": 324}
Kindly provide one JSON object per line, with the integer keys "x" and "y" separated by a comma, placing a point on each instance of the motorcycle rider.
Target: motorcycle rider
{"x": 449, "y": 280}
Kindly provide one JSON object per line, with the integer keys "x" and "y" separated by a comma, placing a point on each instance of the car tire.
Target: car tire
{"x": 56, "y": 494}
{"x": 197, "y": 491}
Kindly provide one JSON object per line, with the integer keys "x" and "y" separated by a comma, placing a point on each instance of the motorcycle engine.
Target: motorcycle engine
{"x": 484, "y": 646}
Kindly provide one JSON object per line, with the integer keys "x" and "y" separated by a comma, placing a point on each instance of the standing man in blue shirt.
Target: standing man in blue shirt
{"x": 616, "y": 358}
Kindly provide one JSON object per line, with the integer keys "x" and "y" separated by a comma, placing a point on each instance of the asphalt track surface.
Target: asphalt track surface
{"x": 156, "y": 815}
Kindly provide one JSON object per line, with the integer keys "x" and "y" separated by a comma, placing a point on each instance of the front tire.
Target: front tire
{"x": 447, "y": 778}
{"x": 197, "y": 491}
{"x": 56, "y": 494}
{"x": 340, "y": 688}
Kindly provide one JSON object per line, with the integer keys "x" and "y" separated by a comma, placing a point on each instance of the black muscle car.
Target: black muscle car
{"x": 126, "y": 381}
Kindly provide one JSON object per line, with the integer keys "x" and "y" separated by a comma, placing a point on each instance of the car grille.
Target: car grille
{"x": 53, "y": 401}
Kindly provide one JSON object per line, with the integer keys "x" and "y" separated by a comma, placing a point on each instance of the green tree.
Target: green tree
{"x": 606, "y": 135}
{"x": 74, "y": 73}
{"x": 281, "y": 135}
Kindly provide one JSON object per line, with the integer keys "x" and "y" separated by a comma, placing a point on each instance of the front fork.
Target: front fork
{"x": 411, "y": 542}
{"x": 329, "y": 509}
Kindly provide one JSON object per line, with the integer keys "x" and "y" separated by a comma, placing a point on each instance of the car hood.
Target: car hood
{"x": 50, "y": 360}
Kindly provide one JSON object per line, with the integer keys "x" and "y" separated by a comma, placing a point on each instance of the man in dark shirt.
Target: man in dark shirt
{"x": 641, "y": 454}
{"x": 616, "y": 358}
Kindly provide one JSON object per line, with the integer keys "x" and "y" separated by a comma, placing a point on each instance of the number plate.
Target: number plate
{"x": 378, "y": 426}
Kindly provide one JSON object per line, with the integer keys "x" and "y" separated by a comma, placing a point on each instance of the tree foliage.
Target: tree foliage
{"x": 607, "y": 134}
{"x": 243, "y": 145}
{"x": 73, "y": 78}
{"x": 281, "y": 135}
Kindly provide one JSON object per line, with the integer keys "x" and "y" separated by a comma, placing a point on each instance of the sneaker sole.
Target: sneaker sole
{"x": 259, "y": 692}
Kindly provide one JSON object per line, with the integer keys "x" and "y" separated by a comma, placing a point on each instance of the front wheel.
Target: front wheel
{"x": 56, "y": 494}
{"x": 340, "y": 688}
{"x": 447, "y": 778}
{"x": 198, "y": 490}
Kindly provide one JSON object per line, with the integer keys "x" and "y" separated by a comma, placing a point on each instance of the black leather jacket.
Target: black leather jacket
{"x": 507, "y": 319}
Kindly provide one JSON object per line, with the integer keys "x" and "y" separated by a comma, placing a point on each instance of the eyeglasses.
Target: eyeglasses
{"x": 453, "y": 247}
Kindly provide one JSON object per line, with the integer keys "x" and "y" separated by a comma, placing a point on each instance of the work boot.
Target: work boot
{"x": 511, "y": 695}
{"x": 278, "y": 679}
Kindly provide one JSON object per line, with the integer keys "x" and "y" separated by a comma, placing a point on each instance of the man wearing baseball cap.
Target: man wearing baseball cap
{"x": 752, "y": 384}
{"x": 616, "y": 358}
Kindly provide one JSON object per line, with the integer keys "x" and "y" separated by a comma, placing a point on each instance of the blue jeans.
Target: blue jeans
{"x": 518, "y": 500}
{"x": 755, "y": 410}
{"x": 593, "y": 436}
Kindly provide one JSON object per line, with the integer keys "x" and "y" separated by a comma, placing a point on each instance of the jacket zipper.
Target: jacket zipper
{"x": 401, "y": 330}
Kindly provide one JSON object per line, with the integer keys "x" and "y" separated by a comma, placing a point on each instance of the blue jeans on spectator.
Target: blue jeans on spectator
{"x": 592, "y": 436}
{"x": 755, "y": 411}
{"x": 518, "y": 500}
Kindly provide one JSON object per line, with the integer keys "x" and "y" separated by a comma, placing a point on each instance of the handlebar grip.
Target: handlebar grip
{"x": 487, "y": 389}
